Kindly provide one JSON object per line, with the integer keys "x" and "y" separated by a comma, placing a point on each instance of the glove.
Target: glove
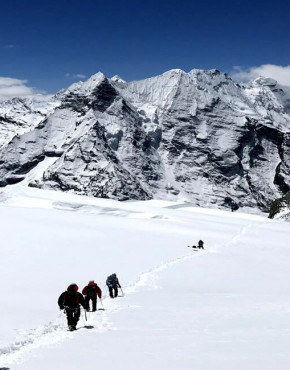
{"x": 61, "y": 308}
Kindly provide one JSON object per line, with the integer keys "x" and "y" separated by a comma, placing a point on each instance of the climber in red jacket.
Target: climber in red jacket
{"x": 91, "y": 292}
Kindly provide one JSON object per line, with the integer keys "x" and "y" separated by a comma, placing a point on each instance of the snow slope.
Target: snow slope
{"x": 21, "y": 115}
{"x": 226, "y": 307}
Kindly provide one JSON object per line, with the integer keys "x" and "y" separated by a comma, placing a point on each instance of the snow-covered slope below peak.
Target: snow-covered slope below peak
{"x": 38, "y": 103}
{"x": 178, "y": 91}
{"x": 157, "y": 91}
{"x": 20, "y": 115}
{"x": 271, "y": 101}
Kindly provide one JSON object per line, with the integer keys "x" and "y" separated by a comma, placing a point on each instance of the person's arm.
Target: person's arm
{"x": 99, "y": 292}
{"x": 82, "y": 300}
{"x": 85, "y": 290}
{"x": 61, "y": 301}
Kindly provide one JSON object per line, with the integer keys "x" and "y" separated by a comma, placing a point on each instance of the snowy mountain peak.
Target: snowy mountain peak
{"x": 174, "y": 72}
{"x": 117, "y": 78}
{"x": 263, "y": 81}
{"x": 86, "y": 87}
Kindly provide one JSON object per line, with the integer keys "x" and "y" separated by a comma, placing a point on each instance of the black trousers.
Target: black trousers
{"x": 94, "y": 302}
{"x": 73, "y": 315}
{"x": 113, "y": 291}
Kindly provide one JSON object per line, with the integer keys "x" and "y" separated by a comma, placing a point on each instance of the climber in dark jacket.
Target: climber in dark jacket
{"x": 113, "y": 285}
{"x": 91, "y": 292}
{"x": 200, "y": 244}
{"x": 70, "y": 301}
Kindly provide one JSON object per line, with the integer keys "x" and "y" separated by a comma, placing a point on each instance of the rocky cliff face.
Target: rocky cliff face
{"x": 194, "y": 136}
{"x": 280, "y": 208}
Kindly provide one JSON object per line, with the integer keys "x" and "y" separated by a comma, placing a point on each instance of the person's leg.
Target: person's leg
{"x": 94, "y": 300}
{"x": 87, "y": 300}
{"x": 77, "y": 314}
{"x": 111, "y": 292}
{"x": 69, "y": 316}
{"x": 115, "y": 291}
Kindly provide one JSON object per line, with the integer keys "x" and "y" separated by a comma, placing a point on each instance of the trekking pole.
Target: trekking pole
{"x": 85, "y": 315}
{"x": 105, "y": 290}
{"x": 101, "y": 304}
{"x": 122, "y": 291}
{"x": 64, "y": 311}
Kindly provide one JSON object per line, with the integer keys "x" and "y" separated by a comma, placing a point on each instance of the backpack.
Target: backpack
{"x": 71, "y": 299}
{"x": 111, "y": 281}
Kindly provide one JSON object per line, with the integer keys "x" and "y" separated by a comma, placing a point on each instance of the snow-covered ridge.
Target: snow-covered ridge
{"x": 20, "y": 115}
{"x": 86, "y": 87}
{"x": 196, "y": 137}
{"x": 271, "y": 101}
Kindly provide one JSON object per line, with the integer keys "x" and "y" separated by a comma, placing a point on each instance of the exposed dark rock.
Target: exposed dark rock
{"x": 104, "y": 95}
{"x": 280, "y": 205}
{"x": 76, "y": 102}
{"x": 230, "y": 203}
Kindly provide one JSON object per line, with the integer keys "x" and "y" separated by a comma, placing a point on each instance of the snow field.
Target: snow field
{"x": 226, "y": 307}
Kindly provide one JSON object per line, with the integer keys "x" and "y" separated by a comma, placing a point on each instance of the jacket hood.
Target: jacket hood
{"x": 73, "y": 288}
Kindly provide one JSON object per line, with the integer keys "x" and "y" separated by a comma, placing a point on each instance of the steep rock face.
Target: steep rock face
{"x": 85, "y": 163}
{"x": 99, "y": 172}
{"x": 194, "y": 136}
{"x": 216, "y": 147}
{"x": 280, "y": 208}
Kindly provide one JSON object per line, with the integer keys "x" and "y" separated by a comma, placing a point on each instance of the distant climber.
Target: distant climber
{"x": 113, "y": 285}
{"x": 200, "y": 244}
{"x": 70, "y": 302}
{"x": 91, "y": 292}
